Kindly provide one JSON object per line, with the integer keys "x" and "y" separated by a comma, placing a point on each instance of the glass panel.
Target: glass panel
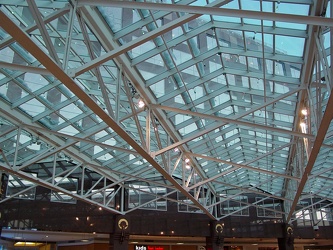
{"x": 237, "y": 206}
{"x": 293, "y": 46}
{"x": 186, "y": 205}
{"x": 21, "y": 188}
{"x": 294, "y": 9}
{"x": 147, "y": 197}
{"x": 230, "y": 5}
{"x": 70, "y": 185}
{"x": 268, "y": 208}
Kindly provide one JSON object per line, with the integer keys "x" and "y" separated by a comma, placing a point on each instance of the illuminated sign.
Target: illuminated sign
{"x": 148, "y": 247}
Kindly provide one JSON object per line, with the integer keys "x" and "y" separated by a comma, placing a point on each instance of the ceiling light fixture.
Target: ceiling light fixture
{"x": 304, "y": 112}
{"x": 141, "y": 104}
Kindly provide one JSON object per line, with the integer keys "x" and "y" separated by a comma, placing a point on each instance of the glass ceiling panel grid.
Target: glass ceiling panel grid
{"x": 57, "y": 108}
{"x": 214, "y": 67}
{"x": 52, "y": 106}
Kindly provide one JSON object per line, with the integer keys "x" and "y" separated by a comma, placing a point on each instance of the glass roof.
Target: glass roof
{"x": 205, "y": 101}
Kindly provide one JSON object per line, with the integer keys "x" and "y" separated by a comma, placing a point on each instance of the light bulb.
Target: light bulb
{"x": 141, "y": 104}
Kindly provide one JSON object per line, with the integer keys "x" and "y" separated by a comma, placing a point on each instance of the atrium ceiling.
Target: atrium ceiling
{"x": 132, "y": 104}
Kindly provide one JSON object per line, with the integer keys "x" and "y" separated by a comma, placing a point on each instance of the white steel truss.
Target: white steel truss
{"x": 223, "y": 88}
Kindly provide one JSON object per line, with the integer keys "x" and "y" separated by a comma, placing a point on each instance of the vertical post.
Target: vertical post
{"x": 119, "y": 82}
{"x": 82, "y": 180}
{"x": 183, "y": 172}
{"x": 54, "y": 166}
{"x": 104, "y": 191}
{"x": 69, "y": 35}
{"x": 3, "y": 184}
{"x": 17, "y": 146}
{"x": 168, "y": 157}
{"x": 148, "y": 130}
{"x": 120, "y": 234}
{"x": 216, "y": 239}
{"x": 122, "y": 199}
{"x": 287, "y": 240}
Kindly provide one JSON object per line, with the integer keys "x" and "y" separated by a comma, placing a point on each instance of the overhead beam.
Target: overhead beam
{"x": 56, "y": 14}
{"x": 96, "y": 23}
{"x": 33, "y": 186}
{"x": 225, "y": 121}
{"x": 42, "y": 27}
{"x": 27, "y": 43}
{"x": 24, "y": 68}
{"x": 205, "y": 10}
{"x": 236, "y": 166}
{"x": 306, "y": 79}
{"x": 227, "y": 50}
{"x": 141, "y": 40}
{"x": 128, "y": 46}
{"x": 324, "y": 125}
{"x": 44, "y": 183}
{"x": 200, "y": 133}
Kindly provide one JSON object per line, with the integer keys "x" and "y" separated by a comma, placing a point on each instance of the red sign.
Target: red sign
{"x": 155, "y": 248}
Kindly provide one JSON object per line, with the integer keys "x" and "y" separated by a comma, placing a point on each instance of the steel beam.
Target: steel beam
{"x": 144, "y": 38}
{"x": 34, "y": 186}
{"x": 321, "y": 134}
{"x": 41, "y": 25}
{"x": 128, "y": 46}
{"x": 207, "y": 10}
{"x": 24, "y": 68}
{"x": 128, "y": 92}
{"x": 56, "y": 14}
{"x": 185, "y": 140}
{"x": 225, "y": 121}
{"x": 306, "y": 79}
{"x": 69, "y": 34}
{"x": 95, "y": 22}
{"x": 21, "y": 37}
{"x": 44, "y": 183}
{"x": 239, "y": 166}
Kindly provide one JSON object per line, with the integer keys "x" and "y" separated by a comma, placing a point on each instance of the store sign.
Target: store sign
{"x": 139, "y": 247}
